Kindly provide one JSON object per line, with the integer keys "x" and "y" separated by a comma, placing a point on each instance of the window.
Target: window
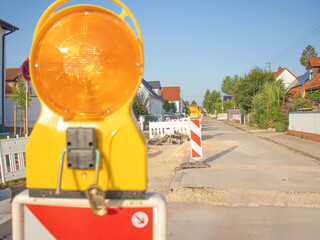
{"x": 310, "y": 74}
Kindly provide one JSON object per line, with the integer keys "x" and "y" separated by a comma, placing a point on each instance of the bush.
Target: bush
{"x": 267, "y": 103}
{"x": 280, "y": 127}
{"x": 293, "y": 105}
{"x": 315, "y": 96}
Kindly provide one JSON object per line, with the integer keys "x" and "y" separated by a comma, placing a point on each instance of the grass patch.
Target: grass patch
{"x": 12, "y": 182}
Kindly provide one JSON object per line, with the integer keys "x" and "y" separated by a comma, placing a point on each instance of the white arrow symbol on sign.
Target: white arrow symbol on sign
{"x": 139, "y": 219}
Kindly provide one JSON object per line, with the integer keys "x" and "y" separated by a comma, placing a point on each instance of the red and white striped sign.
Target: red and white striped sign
{"x": 196, "y": 143}
{"x": 52, "y": 218}
{"x": 81, "y": 223}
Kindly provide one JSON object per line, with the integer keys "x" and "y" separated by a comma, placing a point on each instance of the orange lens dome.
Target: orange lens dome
{"x": 86, "y": 63}
{"x": 194, "y": 109}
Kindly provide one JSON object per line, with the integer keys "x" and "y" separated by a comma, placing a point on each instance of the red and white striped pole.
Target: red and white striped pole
{"x": 196, "y": 142}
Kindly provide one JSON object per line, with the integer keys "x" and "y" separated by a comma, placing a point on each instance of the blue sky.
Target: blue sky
{"x": 195, "y": 44}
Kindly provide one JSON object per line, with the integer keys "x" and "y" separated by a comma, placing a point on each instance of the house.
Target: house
{"x": 296, "y": 89}
{"x": 172, "y": 94}
{"x": 313, "y": 68}
{"x": 5, "y": 30}
{"x": 227, "y": 97}
{"x": 311, "y": 78}
{"x": 11, "y": 77}
{"x": 156, "y": 86}
{"x": 154, "y": 102}
{"x": 288, "y": 78}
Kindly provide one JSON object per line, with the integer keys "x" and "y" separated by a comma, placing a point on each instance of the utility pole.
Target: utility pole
{"x": 268, "y": 66}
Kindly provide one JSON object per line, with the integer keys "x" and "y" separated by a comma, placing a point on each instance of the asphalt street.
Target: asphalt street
{"x": 261, "y": 186}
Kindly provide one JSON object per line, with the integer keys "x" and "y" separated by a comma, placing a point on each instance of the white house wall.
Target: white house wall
{"x": 154, "y": 105}
{"x": 2, "y": 32}
{"x": 178, "y": 105}
{"x": 33, "y": 112}
{"x": 287, "y": 78}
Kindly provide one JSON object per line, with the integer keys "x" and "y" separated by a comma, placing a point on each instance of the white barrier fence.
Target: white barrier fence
{"x": 160, "y": 129}
{"x": 12, "y": 158}
{"x": 222, "y": 116}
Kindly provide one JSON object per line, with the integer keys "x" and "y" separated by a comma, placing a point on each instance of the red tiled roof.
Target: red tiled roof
{"x": 12, "y": 73}
{"x": 277, "y": 74}
{"x": 294, "y": 89}
{"x": 281, "y": 70}
{"x": 171, "y": 93}
{"x": 313, "y": 62}
{"x": 314, "y": 82}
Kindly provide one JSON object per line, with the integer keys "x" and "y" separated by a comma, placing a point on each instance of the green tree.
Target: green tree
{"x": 228, "y": 104}
{"x": 19, "y": 93}
{"x": 139, "y": 105}
{"x": 206, "y": 99}
{"x": 267, "y": 104}
{"x": 169, "y": 107}
{"x": 210, "y": 99}
{"x": 166, "y": 106}
{"x": 194, "y": 103}
{"x": 228, "y": 84}
{"x": 250, "y": 85}
{"x": 186, "y": 110}
{"x": 218, "y": 105}
{"x": 173, "y": 107}
{"x": 308, "y": 52}
{"x": 19, "y": 98}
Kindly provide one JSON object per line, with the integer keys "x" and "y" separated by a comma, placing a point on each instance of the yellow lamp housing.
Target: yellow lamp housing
{"x": 86, "y": 65}
{"x": 194, "y": 111}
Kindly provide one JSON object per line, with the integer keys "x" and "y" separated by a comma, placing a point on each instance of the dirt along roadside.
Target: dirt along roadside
{"x": 162, "y": 160}
{"x": 161, "y": 164}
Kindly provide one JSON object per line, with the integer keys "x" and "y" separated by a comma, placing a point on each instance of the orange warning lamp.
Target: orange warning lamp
{"x": 194, "y": 111}
{"x": 90, "y": 52}
{"x": 86, "y": 65}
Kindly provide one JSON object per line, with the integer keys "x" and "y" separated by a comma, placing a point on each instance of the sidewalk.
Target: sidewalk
{"x": 5, "y": 212}
{"x": 307, "y": 147}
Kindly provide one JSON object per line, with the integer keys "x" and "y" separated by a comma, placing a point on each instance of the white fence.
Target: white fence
{"x": 160, "y": 129}
{"x": 307, "y": 122}
{"x": 222, "y": 116}
{"x": 12, "y": 158}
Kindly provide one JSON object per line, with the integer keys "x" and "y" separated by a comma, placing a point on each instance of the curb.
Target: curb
{"x": 179, "y": 172}
{"x": 276, "y": 142}
{"x": 5, "y": 212}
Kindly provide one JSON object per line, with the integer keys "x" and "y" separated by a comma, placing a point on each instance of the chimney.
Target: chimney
{"x": 279, "y": 68}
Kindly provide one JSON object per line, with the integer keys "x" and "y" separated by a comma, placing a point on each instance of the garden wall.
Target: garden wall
{"x": 305, "y": 125}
